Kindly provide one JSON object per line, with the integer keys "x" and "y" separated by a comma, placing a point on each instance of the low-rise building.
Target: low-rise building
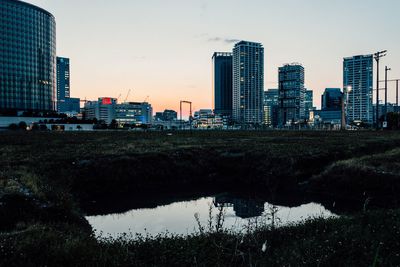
{"x": 166, "y": 115}
{"x": 102, "y": 110}
{"x": 134, "y": 113}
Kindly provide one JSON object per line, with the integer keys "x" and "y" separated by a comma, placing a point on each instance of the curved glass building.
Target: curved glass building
{"x": 27, "y": 58}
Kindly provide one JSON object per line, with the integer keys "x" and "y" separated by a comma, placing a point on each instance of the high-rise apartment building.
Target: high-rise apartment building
{"x": 271, "y": 104}
{"x": 291, "y": 94}
{"x": 358, "y": 75}
{"x": 222, "y": 83}
{"x": 248, "y": 82}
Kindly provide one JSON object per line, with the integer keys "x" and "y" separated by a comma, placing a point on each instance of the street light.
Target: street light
{"x": 386, "y": 89}
{"x": 377, "y": 56}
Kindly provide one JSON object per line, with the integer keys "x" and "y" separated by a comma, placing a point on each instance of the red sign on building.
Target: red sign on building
{"x": 106, "y": 101}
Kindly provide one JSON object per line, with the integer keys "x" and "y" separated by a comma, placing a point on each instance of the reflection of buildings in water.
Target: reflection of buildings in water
{"x": 244, "y": 208}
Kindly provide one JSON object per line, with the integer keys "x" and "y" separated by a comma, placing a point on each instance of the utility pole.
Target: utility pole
{"x": 378, "y": 55}
{"x": 386, "y": 90}
{"x": 397, "y": 95}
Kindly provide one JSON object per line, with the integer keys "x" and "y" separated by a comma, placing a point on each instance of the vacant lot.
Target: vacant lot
{"x": 45, "y": 177}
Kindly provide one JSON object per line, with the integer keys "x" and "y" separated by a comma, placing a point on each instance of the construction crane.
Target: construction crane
{"x": 127, "y": 96}
{"x": 119, "y": 97}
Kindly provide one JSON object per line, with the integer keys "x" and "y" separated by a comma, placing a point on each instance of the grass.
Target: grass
{"x": 46, "y": 177}
{"x": 375, "y": 177}
{"x": 364, "y": 240}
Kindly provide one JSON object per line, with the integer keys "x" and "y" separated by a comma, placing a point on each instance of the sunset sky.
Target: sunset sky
{"x": 163, "y": 48}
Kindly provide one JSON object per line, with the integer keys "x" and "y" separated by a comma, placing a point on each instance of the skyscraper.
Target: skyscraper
{"x": 271, "y": 104}
{"x": 357, "y": 74}
{"x": 63, "y": 82}
{"x": 291, "y": 94}
{"x": 308, "y": 103}
{"x": 65, "y": 104}
{"x": 248, "y": 82}
{"x": 27, "y": 58}
{"x": 222, "y": 83}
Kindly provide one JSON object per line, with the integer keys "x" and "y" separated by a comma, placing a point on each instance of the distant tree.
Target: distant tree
{"x": 393, "y": 120}
{"x": 144, "y": 126}
{"x": 13, "y": 127}
{"x": 113, "y": 124}
{"x": 35, "y": 127}
{"x": 22, "y": 125}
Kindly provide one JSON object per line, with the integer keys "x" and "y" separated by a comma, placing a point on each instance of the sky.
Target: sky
{"x": 161, "y": 49}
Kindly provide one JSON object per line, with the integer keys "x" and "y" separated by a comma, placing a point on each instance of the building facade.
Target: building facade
{"x": 222, "y": 83}
{"x": 271, "y": 104}
{"x": 358, "y": 74}
{"x": 102, "y": 110}
{"x": 308, "y": 103}
{"x": 291, "y": 94}
{"x": 248, "y": 83}
{"x": 332, "y": 99}
{"x": 134, "y": 113}
{"x": 63, "y": 83}
{"x": 27, "y": 58}
{"x": 166, "y": 115}
{"x": 331, "y": 109}
{"x": 391, "y": 107}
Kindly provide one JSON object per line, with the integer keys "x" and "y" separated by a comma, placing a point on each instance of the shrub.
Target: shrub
{"x": 13, "y": 127}
{"x": 22, "y": 125}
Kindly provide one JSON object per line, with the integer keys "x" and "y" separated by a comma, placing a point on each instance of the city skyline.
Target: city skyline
{"x": 120, "y": 47}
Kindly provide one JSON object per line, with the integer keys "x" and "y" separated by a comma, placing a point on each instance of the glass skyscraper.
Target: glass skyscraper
{"x": 222, "y": 83}
{"x": 248, "y": 82}
{"x": 291, "y": 94}
{"x": 357, "y": 74}
{"x": 27, "y": 58}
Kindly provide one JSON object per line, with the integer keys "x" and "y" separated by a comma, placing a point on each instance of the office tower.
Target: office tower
{"x": 27, "y": 58}
{"x": 65, "y": 104}
{"x": 271, "y": 104}
{"x": 332, "y": 99}
{"x": 248, "y": 82}
{"x": 291, "y": 94}
{"x": 222, "y": 83}
{"x": 308, "y": 103}
{"x": 63, "y": 83}
{"x": 357, "y": 75}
